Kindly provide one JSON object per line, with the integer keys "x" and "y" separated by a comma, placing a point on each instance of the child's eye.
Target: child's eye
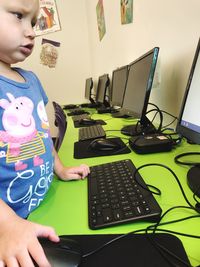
{"x": 18, "y": 15}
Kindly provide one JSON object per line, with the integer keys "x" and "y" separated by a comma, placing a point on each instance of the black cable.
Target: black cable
{"x": 175, "y": 141}
{"x": 161, "y": 248}
{"x": 165, "y": 253}
{"x": 175, "y": 118}
{"x": 160, "y": 111}
{"x": 111, "y": 241}
{"x": 172, "y": 172}
{"x": 155, "y": 227}
{"x": 161, "y": 118}
{"x": 188, "y": 163}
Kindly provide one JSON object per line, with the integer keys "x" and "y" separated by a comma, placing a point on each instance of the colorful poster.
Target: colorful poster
{"x": 126, "y": 11}
{"x": 48, "y": 20}
{"x": 100, "y": 19}
{"x": 49, "y": 53}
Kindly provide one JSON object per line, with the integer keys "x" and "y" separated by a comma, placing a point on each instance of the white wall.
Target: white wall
{"x": 172, "y": 25}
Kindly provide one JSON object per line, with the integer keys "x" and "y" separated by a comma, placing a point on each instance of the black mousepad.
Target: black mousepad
{"x": 79, "y": 125}
{"x": 81, "y": 149}
{"x": 135, "y": 250}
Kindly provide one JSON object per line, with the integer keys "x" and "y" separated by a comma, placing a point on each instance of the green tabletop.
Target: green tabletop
{"x": 65, "y": 206}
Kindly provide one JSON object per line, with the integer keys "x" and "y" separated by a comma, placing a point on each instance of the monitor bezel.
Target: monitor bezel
{"x": 106, "y": 78}
{"x": 190, "y": 134}
{"x": 88, "y": 91}
{"x": 115, "y": 103}
{"x": 142, "y": 115}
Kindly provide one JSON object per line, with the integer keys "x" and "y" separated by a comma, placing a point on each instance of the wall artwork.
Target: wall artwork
{"x": 48, "y": 19}
{"x": 49, "y": 53}
{"x": 100, "y": 19}
{"x": 126, "y": 11}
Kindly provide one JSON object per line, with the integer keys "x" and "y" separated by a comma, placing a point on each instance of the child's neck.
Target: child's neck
{"x": 7, "y": 71}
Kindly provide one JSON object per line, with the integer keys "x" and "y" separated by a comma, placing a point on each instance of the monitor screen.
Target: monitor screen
{"x": 102, "y": 85}
{"x": 139, "y": 84}
{"x": 189, "y": 119}
{"x": 119, "y": 77}
{"x": 138, "y": 87}
{"x": 88, "y": 88}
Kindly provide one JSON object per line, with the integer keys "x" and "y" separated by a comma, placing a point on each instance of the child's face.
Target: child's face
{"x": 16, "y": 29}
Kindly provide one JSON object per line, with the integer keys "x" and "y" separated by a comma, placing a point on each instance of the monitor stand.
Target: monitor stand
{"x": 104, "y": 107}
{"x": 193, "y": 179}
{"x": 143, "y": 127}
{"x": 92, "y": 104}
{"x": 120, "y": 114}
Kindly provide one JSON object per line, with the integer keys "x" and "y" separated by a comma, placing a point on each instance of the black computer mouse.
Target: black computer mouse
{"x": 87, "y": 121}
{"x": 65, "y": 253}
{"x": 103, "y": 144}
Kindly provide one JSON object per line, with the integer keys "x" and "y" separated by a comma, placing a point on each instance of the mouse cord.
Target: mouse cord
{"x": 157, "y": 191}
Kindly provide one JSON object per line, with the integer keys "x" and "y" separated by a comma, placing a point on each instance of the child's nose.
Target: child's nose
{"x": 29, "y": 32}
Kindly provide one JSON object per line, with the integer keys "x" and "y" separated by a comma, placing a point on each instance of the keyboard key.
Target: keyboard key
{"x": 91, "y": 132}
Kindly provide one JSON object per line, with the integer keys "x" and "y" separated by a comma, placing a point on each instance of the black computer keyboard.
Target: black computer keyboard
{"x": 91, "y": 132}
{"x": 75, "y": 112}
{"x": 80, "y": 117}
{"x": 115, "y": 197}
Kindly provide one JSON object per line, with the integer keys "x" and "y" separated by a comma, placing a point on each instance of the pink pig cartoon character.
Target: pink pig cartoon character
{"x": 19, "y": 126}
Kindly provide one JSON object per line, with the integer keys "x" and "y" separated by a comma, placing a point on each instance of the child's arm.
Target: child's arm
{"x": 18, "y": 239}
{"x": 69, "y": 173}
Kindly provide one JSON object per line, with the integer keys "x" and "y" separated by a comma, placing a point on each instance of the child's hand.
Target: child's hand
{"x": 74, "y": 173}
{"x": 18, "y": 242}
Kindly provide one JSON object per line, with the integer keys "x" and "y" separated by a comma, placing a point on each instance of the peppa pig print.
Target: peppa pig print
{"x": 20, "y": 136}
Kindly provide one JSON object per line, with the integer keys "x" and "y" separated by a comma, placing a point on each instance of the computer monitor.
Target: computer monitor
{"x": 137, "y": 93}
{"x": 119, "y": 77}
{"x": 189, "y": 120}
{"x": 88, "y": 89}
{"x": 102, "y": 86}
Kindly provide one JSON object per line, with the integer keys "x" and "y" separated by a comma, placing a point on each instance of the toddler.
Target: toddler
{"x": 27, "y": 157}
